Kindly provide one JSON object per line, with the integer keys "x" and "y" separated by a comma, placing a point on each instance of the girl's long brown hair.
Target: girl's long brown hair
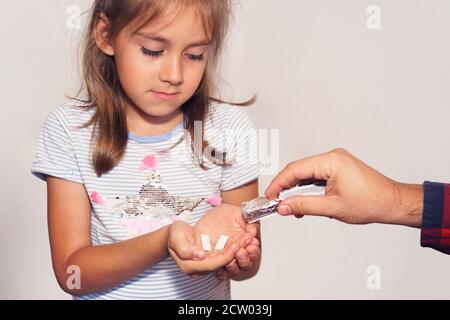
{"x": 104, "y": 93}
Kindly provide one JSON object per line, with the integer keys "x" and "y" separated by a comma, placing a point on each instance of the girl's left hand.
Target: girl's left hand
{"x": 245, "y": 259}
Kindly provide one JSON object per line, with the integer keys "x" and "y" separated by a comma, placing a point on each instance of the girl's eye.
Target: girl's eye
{"x": 196, "y": 58}
{"x": 151, "y": 53}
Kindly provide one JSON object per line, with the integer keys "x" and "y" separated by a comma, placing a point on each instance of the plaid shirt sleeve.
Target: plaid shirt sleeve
{"x": 436, "y": 217}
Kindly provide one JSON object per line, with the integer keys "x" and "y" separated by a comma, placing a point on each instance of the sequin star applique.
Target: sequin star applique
{"x": 154, "y": 200}
{"x": 153, "y": 207}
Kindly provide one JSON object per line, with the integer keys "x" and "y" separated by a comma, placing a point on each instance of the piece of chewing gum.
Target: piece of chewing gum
{"x": 260, "y": 208}
{"x": 206, "y": 242}
{"x": 221, "y": 243}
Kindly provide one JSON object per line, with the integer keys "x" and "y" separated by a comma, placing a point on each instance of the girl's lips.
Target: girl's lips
{"x": 164, "y": 96}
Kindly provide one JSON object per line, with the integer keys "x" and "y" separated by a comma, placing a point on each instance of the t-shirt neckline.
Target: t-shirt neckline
{"x": 156, "y": 138}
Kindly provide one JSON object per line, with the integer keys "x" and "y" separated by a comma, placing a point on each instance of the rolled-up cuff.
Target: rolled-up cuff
{"x": 435, "y": 231}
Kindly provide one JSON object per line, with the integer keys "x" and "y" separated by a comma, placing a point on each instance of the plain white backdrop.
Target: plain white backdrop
{"x": 324, "y": 80}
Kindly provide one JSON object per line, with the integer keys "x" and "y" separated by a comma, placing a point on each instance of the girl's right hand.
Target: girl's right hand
{"x": 190, "y": 257}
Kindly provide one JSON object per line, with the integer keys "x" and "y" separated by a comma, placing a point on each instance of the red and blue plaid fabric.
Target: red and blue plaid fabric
{"x": 436, "y": 217}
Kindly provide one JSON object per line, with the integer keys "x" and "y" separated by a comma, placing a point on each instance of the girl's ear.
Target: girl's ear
{"x": 101, "y": 35}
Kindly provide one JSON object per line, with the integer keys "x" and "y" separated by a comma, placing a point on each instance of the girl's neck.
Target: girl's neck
{"x": 142, "y": 124}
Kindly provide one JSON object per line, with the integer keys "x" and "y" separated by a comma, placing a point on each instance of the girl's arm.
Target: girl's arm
{"x": 101, "y": 267}
{"x": 247, "y": 261}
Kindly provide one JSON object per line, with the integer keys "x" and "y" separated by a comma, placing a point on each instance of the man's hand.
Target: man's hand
{"x": 355, "y": 192}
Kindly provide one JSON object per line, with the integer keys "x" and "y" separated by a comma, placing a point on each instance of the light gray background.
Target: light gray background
{"x": 323, "y": 79}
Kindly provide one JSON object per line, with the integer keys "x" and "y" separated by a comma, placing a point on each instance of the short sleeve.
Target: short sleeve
{"x": 242, "y": 155}
{"x": 55, "y": 154}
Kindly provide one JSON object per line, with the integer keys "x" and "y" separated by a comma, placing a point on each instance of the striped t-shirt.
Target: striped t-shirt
{"x": 152, "y": 186}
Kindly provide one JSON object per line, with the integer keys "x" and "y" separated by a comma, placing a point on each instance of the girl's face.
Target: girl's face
{"x": 161, "y": 66}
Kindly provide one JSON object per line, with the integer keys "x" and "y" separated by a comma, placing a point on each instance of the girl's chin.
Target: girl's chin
{"x": 157, "y": 108}
{"x": 162, "y": 112}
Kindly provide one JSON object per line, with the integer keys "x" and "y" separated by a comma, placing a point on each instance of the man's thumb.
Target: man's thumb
{"x": 307, "y": 205}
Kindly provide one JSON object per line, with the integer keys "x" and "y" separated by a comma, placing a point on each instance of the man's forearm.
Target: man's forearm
{"x": 104, "y": 267}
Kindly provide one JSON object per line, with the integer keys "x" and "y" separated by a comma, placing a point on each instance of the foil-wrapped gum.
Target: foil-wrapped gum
{"x": 258, "y": 208}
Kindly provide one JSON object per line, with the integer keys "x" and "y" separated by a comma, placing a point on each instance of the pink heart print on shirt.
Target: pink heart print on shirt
{"x": 214, "y": 201}
{"x": 95, "y": 197}
{"x": 149, "y": 162}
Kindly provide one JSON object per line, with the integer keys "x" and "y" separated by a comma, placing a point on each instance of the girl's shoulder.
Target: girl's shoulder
{"x": 68, "y": 119}
{"x": 227, "y": 115}
{"x": 73, "y": 110}
{"x": 71, "y": 114}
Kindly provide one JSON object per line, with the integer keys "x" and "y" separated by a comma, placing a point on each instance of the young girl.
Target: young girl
{"x": 120, "y": 167}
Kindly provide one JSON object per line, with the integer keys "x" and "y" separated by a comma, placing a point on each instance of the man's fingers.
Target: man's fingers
{"x": 309, "y": 205}
{"x": 295, "y": 171}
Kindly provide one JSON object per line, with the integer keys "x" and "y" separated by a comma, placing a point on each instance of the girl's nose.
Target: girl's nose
{"x": 172, "y": 71}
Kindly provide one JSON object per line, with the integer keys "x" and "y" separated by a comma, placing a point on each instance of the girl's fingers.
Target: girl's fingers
{"x": 245, "y": 240}
{"x": 221, "y": 274}
{"x": 191, "y": 252}
{"x": 243, "y": 260}
{"x": 233, "y": 268}
{"x": 255, "y": 243}
{"x": 209, "y": 264}
{"x": 252, "y": 229}
{"x": 254, "y": 252}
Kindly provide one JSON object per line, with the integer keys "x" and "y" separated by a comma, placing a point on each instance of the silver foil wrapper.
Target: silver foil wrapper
{"x": 256, "y": 209}
{"x": 259, "y": 208}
